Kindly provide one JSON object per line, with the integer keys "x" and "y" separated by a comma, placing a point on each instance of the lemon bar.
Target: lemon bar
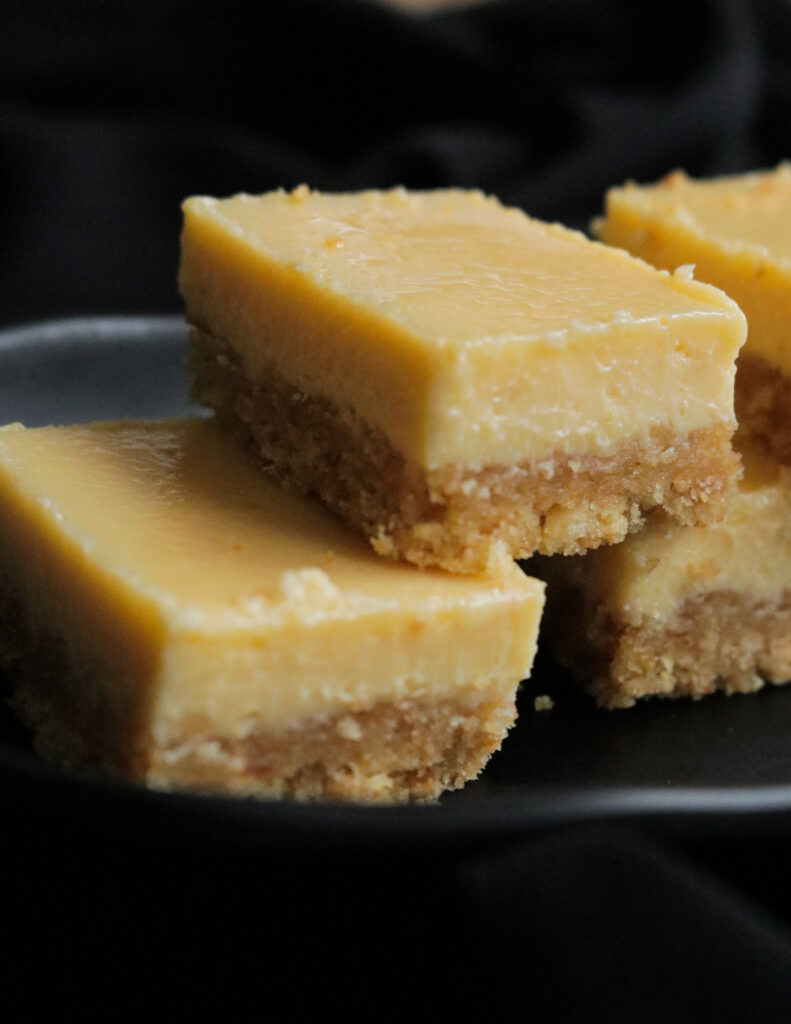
{"x": 454, "y": 378}
{"x": 171, "y": 616}
{"x": 737, "y": 232}
{"x": 681, "y": 611}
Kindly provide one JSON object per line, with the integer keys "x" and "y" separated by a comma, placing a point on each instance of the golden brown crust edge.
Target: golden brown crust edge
{"x": 405, "y": 751}
{"x": 455, "y": 516}
{"x": 720, "y": 640}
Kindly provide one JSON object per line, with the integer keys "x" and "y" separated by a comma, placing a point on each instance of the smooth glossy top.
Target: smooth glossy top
{"x": 456, "y": 267}
{"x": 464, "y": 331}
{"x": 180, "y": 514}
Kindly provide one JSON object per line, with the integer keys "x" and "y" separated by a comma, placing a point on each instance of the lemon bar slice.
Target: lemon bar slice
{"x": 454, "y": 377}
{"x": 680, "y": 611}
{"x": 737, "y": 232}
{"x": 170, "y": 615}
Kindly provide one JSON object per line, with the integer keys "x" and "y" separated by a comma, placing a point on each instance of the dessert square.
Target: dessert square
{"x": 737, "y": 232}
{"x": 172, "y": 616}
{"x": 454, "y": 378}
{"x": 682, "y": 611}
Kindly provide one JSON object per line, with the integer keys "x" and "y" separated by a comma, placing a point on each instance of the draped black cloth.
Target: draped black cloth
{"x": 111, "y": 113}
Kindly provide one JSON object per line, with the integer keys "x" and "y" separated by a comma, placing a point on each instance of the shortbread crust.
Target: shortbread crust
{"x": 482, "y": 349}
{"x": 172, "y": 617}
{"x": 723, "y": 640}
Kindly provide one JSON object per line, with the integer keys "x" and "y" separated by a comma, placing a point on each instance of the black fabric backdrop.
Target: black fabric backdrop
{"x": 110, "y": 113}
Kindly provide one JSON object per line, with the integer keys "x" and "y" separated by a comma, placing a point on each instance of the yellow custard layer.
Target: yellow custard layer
{"x": 465, "y": 331}
{"x": 185, "y": 586}
{"x": 648, "y": 577}
{"x": 737, "y": 232}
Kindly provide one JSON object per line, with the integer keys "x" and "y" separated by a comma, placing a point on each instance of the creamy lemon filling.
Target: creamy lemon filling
{"x": 464, "y": 331}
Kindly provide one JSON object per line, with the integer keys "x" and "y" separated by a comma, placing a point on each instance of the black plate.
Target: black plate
{"x": 678, "y": 764}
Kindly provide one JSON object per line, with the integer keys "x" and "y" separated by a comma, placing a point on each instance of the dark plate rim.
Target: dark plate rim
{"x": 106, "y": 807}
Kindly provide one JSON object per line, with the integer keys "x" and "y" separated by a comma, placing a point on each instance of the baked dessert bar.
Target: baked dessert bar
{"x": 680, "y": 611}
{"x": 170, "y": 615}
{"x": 455, "y": 378}
{"x": 737, "y": 232}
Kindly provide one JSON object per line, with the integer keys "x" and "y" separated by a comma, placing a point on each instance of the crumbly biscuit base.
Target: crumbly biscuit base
{"x": 763, "y": 404}
{"x": 393, "y": 752}
{"x": 721, "y": 640}
{"x": 458, "y": 516}
{"x": 410, "y": 750}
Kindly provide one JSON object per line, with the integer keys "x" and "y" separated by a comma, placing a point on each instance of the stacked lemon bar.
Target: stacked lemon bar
{"x": 461, "y": 386}
{"x": 172, "y": 616}
{"x": 683, "y": 611}
{"x": 458, "y": 382}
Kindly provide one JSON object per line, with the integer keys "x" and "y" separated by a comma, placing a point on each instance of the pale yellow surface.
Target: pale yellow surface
{"x": 652, "y": 572}
{"x": 168, "y": 562}
{"x": 737, "y": 232}
{"x": 465, "y": 331}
